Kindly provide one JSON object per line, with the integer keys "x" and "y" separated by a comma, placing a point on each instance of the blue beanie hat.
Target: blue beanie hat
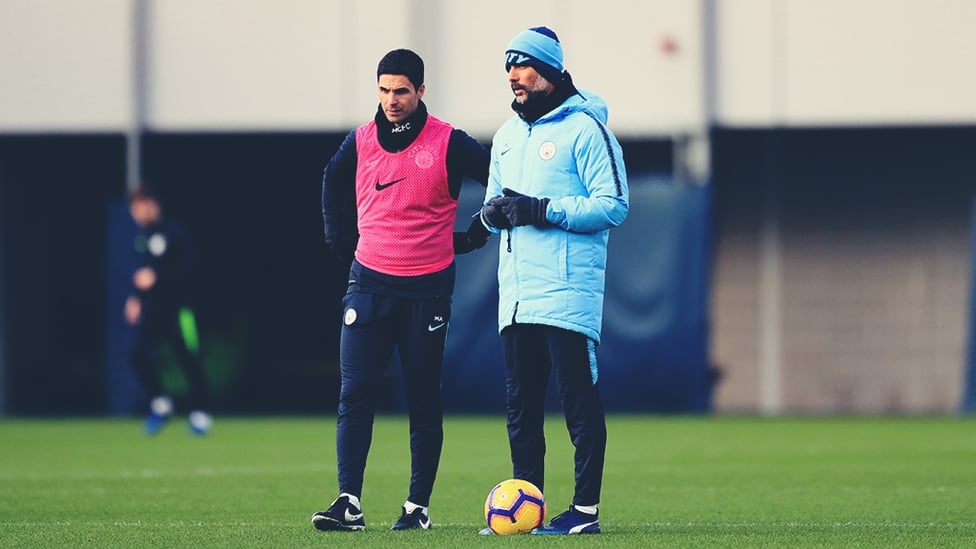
{"x": 538, "y": 48}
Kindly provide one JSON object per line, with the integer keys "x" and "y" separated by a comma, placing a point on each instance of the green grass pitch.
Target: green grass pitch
{"x": 669, "y": 482}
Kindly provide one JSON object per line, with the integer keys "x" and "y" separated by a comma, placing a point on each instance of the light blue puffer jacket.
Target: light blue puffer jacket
{"x": 555, "y": 275}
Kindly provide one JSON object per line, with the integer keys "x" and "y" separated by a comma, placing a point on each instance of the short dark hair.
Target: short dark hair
{"x": 405, "y": 62}
{"x": 143, "y": 193}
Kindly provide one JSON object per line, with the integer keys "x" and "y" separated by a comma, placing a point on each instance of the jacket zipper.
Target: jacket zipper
{"x": 509, "y": 248}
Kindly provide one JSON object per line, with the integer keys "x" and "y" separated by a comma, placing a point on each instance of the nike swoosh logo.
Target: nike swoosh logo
{"x": 381, "y": 186}
{"x": 351, "y": 517}
{"x": 434, "y": 328}
{"x": 425, "y": 523}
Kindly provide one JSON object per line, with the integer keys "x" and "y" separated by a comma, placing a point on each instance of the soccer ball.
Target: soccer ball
{"x": 514, "y": 506}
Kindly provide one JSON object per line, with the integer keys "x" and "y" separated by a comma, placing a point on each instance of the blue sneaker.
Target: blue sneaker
{"x": 573, "y": 521}
{"x": 160, "y": 410}
{"x": 154, "y": 424}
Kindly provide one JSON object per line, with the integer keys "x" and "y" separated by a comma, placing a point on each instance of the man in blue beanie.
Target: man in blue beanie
{"x": 556, "y": 186}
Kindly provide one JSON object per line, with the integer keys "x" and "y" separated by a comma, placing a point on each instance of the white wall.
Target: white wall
{"x": 309, "y": 65}
{"x": 845, "y": 62}
{"x": 256, "y": 65}
{"x": 260, "y": 65}
{"x": 65, "y": 65}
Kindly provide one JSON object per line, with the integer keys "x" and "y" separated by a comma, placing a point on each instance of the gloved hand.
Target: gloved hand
{"x": 343, "y": 246}
{"x": 475, "y": 237}
{"x": 523, "y": 210}
{"x": 341, "y": 233}
{"x": 493, "y": 214}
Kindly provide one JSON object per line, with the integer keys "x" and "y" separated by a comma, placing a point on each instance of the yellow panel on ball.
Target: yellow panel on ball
{"x": 514, "y": 506}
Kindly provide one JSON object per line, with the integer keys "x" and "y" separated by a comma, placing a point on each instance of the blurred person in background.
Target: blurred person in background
{"x": 556, "y": 187}
{"x": 159, "y": 308}
{"x": 389, "y": 203}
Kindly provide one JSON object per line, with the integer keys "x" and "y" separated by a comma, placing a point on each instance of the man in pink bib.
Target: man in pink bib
{"x": 389, "y": 202}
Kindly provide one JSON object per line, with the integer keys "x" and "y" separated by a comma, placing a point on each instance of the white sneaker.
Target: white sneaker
{"x": 200, "y": 423}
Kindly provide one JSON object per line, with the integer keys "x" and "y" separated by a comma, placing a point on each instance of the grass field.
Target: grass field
{"x": 669, "y": 482}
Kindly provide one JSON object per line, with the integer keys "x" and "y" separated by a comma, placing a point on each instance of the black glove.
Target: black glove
{"x": 343, "y": 246}
{"x": 341, "y": 233}
{"x": 493, "y": 214}
{"x": 475, "y": 237}
{"x": 523, "y": 210}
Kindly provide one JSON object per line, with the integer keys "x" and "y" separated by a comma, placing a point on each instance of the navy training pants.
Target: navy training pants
{"x": 374, "y": 326}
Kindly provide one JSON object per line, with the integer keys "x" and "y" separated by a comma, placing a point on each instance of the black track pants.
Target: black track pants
{"x": 163, "y": 327}
{"x": 531, "y": 351}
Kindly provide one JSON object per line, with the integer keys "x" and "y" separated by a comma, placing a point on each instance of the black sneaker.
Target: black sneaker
{"x": 415, "y": 520}
{"x": 341, "y": 515}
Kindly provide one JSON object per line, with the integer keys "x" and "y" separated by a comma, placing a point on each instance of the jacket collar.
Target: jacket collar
{"x": 395, "y": 138}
